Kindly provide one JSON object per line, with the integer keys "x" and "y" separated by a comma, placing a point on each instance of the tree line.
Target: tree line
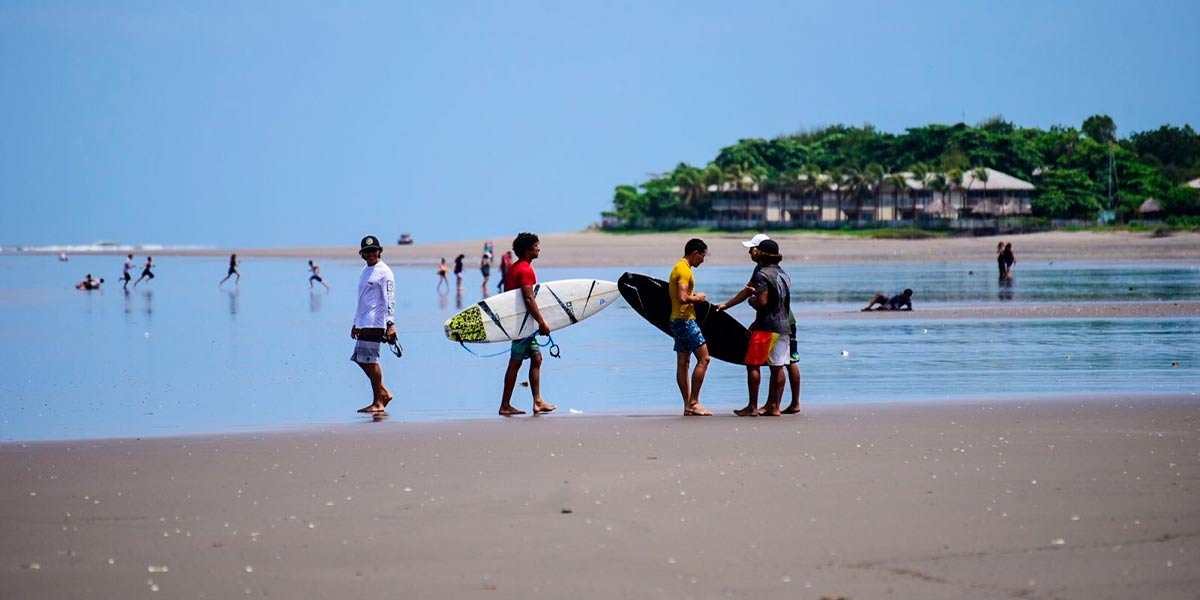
{"x": 1078, "y": 172}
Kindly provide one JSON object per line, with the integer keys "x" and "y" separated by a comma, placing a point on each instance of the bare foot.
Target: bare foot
{"x": 749, "y": 411}
{"x": 542, "y": 407}
{"x": 386, "y": 400}
{"x": 766, "y": 412}
{"x": 697, "y": 411}
{"x": 792, "y": 410}
{"x": 372, "y": 408}
{"x": 510, "y": 411}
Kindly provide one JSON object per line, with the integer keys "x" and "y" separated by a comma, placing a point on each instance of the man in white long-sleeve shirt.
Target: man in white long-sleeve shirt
{"x": 374, "y": 321}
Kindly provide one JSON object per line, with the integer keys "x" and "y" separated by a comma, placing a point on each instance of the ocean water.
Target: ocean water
{"x": 182, "y": 356}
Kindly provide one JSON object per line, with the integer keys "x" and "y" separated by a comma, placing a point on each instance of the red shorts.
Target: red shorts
{"x": 768, "y": 348}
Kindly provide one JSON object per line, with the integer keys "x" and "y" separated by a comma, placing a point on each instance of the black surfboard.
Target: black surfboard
{"x": 727, "y": 339}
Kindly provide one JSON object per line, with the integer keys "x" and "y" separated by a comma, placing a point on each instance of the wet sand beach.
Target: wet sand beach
{"x": 601, "y": 249}
{"x": 1042, "y": 498}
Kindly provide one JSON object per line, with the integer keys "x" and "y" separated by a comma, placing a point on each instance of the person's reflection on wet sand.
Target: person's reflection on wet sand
{"x": 458, "y": 303}
{"x": 233, "y": 300}
{"x": 1006, "y": 289}
{"x": 443, "y": 300}
{"x": 314, "y": 301}
{"x": 149, "y": 295}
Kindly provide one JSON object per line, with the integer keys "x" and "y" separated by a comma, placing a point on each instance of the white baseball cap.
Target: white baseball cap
{"x": 756, "y": 240}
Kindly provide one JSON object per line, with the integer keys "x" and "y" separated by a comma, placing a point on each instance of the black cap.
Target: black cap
{"x": 768, "y": 247}
{"x": 369, "y": 243}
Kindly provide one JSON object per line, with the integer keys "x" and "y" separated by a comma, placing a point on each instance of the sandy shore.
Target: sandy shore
{"x": 601, "y": 249}
{"x": 1067, "y": 498}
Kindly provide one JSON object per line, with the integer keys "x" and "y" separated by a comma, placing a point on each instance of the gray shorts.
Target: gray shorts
{"x": 365, "y": 352}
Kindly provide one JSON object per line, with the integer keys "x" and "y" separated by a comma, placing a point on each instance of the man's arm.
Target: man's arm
{"x": 738, "y": 298}
{"x": 532, "y": 307}
{"x": 686, "y": 298}
{"x": 389, "y": 298}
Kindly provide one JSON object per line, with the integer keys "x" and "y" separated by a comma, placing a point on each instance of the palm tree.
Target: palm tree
{"x": 874, "y": 178}
{"x": 981, "y": 174}
{"x": 814, "y": 184}
{"x": 939, "y": 184}
{"x": 760, "y": 177}
{"x": 898, "y": 183}
{"x": 837, "y": 182}
{"x": 711, "y": 177}
{"x": 954, "y": 179}
{"x": 856, "y": 187}
{"x": 920, "y": 174}
{"x": 691, "y": 186}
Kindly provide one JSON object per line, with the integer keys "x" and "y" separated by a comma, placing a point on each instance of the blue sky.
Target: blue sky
{"x": 310, "y": 123}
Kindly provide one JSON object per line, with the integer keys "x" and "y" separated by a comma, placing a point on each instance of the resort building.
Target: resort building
{"x": 897, "y": 198}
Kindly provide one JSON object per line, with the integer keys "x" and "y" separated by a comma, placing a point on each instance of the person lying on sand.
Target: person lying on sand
{"x": 901, "y": 301}
{"x": 89, "y": 284}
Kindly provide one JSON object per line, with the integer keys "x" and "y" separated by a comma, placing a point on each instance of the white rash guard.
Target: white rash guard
{"x": 376, "y": 297}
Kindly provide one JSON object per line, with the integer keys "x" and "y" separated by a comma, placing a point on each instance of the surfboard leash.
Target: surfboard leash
{"x": 550, "y": 345}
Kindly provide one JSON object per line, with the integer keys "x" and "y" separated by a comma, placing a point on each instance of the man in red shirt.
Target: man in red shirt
{"x": 520, "y": 276}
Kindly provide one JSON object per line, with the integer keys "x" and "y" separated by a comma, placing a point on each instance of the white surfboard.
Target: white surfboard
{"x": 503, "y": 317}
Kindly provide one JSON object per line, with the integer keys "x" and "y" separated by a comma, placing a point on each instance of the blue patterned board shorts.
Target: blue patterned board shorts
{"x": 687, "y": 335}
{"x": 365, "y": 352}
{"x": 524, "y": 349}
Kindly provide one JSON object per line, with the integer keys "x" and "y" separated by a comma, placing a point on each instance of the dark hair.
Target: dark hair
{"x": 523, "y": 242}
{"x": 694, "y": 245}
{"x": 767, "y": 259}
{"x": 907, "y": 292}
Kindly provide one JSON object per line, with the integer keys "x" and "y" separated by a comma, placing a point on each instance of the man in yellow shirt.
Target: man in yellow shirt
{"x": 685, "y": 330}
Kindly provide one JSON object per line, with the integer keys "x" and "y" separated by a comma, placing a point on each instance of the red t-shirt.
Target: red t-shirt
{"x": 519, "y": 275}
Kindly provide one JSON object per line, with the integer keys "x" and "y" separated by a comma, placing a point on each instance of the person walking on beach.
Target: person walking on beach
{"x": 681, "y": 284}
{"x": 485, "y": 268}
{"x": 1009, "y": 260}
{"x": 125, "y": 276}
{"x": 441, "y": 271}
{"x": 521, "y": 276}
{"x": 1000, "y": 261}
{"x": 314, "y": 274}
{"x": 505, "y": 265}
{"x": 374, "y": 320}
{"x": 901, "y": 301}
{"x": 233, "y": 264}
{"x": 793, "y": 368}
{"x": 770, "y": 293}
{"x": 146, "y": 273}
{"x": 458, "y": 269}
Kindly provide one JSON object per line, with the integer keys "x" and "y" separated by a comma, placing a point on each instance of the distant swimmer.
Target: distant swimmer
{"x": 314, "y": 274}
{"x": 441, "y": 271}
{"x": 522, "y": 277}
{"x": 458, "y": 269}
{"x": 146, "y": 273}
{"x": 233, "y": 264}
{"x": 688, "y": 339}
{"x": 374, "y": 320}
{"x": 62, "y": 257}
{"x": 126, "y": 277}
{"x": 89, "y": 283}
{"x": 901, "y": 301}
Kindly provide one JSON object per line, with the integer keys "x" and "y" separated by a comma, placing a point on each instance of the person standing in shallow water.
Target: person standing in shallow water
{"x": 521, "y": 276}
{"x": 1009, "y": 260}
{"x": 233, "y": 265}
{"x": 1003, "y": 268}
{"x": 458, "y": 269}
{"x": 374, "y": 320}
{"x": 505, "y": 263}
{"x": 681, "y": 284}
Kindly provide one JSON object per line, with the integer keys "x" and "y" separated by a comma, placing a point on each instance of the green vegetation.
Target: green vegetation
{"x": 1075, "y": 171}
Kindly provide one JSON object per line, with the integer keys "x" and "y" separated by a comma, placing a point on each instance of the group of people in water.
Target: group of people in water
{"x": 485, "y": 269}
{"x": 90, "y": 283}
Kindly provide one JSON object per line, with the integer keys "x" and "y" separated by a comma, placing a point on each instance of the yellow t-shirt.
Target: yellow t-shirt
{"x": 681, "y": 274}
